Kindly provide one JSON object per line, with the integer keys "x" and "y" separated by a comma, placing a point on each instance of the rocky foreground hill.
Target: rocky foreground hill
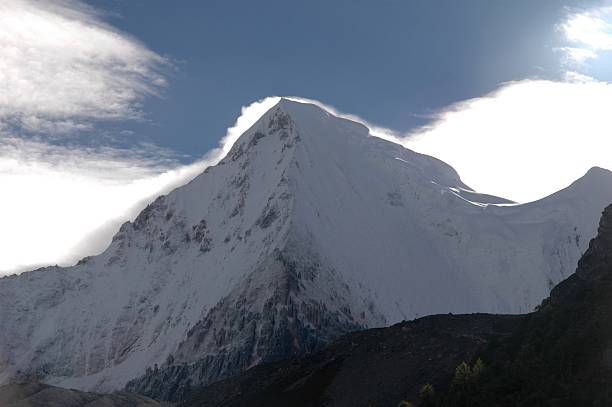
{"x": 377, "y": 367}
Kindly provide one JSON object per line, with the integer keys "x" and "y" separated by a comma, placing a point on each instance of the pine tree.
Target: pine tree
{"x": 426, "y": 396}
{"x": 463, "y": 375}
{"x": 477, "y": 369}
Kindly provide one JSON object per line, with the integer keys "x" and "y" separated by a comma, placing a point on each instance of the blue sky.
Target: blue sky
{"x": 391, "y": 62}
{"x": 105, "y": 104}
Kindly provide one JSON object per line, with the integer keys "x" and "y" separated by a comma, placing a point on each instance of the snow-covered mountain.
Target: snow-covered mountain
{"x": 308, "y": 228}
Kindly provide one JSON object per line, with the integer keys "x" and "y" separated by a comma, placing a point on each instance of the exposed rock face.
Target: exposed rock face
{"x": 262, "y": 320}
{"x": 308, "y": 229}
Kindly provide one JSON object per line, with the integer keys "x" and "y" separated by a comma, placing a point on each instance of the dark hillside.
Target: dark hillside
{"x": 377, "y": 367}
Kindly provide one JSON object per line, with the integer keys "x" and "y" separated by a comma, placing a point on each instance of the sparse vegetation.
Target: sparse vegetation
{"x": 427, "y": 396}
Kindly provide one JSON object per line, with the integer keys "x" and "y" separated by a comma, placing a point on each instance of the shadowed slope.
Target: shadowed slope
{"x": 377, "y": 367}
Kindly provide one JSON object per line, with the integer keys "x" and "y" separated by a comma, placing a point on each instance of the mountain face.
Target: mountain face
{"x": 307, "y": 229}
{"x": 557, "y": 356}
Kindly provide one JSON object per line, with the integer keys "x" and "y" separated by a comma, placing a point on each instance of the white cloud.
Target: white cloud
{"x": 577, "y": 77}
{"x": 55, "y": 197}
{"x": 579, "y": 55}
{"x": 61, "y": 66}
{"x": 589, "y": 32}
{"x": 248, "y": 116}
{"x": 527, "y": 139}
{"x": 62, "y": 69}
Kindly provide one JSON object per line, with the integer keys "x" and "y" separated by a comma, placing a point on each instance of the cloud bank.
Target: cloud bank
{"x": 526, "y": 140}
{"x": 60, "y": 204}
{"x": 63, "y": 70}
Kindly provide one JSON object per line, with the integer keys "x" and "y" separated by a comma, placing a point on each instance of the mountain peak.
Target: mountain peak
{"x": 307, "y": 229}
{"x": 598, "y": 172}
{"x": 290, "y": 121}
{"x": 596, "y": 181}
{"x": 293, "y": 105}
{"x": 313, "y": 119}
{"x": 287, "y": 102}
